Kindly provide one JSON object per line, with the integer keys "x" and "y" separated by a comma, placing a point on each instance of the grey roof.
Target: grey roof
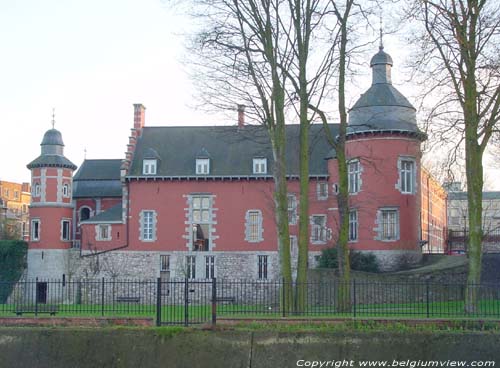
{"x": 52, "y": 137}
{"x": 230, "y": 149}
{"x": 463, "y": 195}
{"x": 381, "y": 57}
{"x": 113, "y": 214}
{"x": 98, "y": 178}
{"x": 51, "y": 161}
{"x": 382, "y": 108}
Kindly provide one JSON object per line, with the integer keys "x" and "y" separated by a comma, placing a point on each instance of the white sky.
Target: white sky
{"x": 91, "y": 61}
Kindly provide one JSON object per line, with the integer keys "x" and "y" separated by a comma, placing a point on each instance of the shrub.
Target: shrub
{"x": 12, "y": 264}
{"x": 359, "y": 261}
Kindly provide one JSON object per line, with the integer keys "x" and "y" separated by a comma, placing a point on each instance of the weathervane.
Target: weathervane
{"x": 53, "y": 117}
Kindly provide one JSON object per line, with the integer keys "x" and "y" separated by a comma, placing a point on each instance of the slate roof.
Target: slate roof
{"x": 231, "y": 150}
{"x": 382, "y": 94}
{"x": 113, "y": 214}
{"x": 98, "y": 178}
{"x": 52, "y": 137}
{"x": 462, "y": 196}
{"x": 51, "y": 161}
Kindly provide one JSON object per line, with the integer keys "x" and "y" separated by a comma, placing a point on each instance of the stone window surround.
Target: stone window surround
{"x": 33, "y": 221}
{"x": 262, "y": 267}
{"x": 414, "y": 174}
{"x": 141, "y": 226}
{"x": 292, "y": 208}
{"x": 191, "y": 267}
{"x": 202, "y": 166}
{"x": 210, "y": 269}
{"x": 325, "y": 231}
{"x": 188, "y": 235}
{"x": 322, "y": 195}
{"x": 379, "y": 225}
{"x": 164, "y": 262}
{"x": 357, "y": 173}
{"x": 63, "y": 220}
{"x": 248, "y": 226}
{"x": 98, "y": 232}
{"x": 66, "y": 190}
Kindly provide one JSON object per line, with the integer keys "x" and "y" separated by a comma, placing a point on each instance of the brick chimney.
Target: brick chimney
{"x": 139, "y": 117}
{"x": 241, "y": 116}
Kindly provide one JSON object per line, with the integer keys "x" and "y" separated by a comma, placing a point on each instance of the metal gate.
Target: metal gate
{"x": 185, "y": 302}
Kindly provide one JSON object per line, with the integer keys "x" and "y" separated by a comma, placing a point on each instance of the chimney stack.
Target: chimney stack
{"x": 139, "y": 117}
{"x": 241, "y": 116}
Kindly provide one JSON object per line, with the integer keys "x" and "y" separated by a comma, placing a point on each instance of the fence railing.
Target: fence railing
{"x": 187, "y": 302}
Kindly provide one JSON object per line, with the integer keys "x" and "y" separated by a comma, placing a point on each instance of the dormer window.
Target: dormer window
{"x": 149, "y": 167}
{"x": 260, "y": 165}
{"x": 202, "y": 166}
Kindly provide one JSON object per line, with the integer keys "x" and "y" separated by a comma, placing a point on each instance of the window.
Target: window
{"x": 25, "y": 208}
{"x": 149, "y": 167}
{"x": 209, "y": 267}
{"x": 191, "y": 267}
{"x": 292, "y": 209}
{"x": 294, "y": 249}
{"x": 353, "y": 225}
{"x": 148, "y": 225}
{"x": 260, "y": 165}
{"x": 164, "y": 263}
{"x": 322, "y": 190}
{"x": 262, "y": 263}
{"x": 103, "y": 232}
{"x": 389, "y": 224}
{"x": 6, "y": 192}
{"x": 201, "y": 219}
{"x": 16, "y": 194}
{"x": 84, "y": 213}
{"x": 202, "y": 166}
{"x": 65, "y": 235}
{"x": 253, "y": 226}
{"x": 353, "y": 179}
{"x": 65, "y": 190}
{"x": 407, "y": 176}
{"x": 35, "y": 230}
{"x": 318, "y": 229}
{"x": 36, "y": 190}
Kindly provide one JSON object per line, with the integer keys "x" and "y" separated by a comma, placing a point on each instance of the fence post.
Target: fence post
{"x": 36, "y": 297}
{"x": 214, "y": 302}
{"x": 158, "y": 301}
{"x": 186, "y": 302}
{"x": 102, "y": 297}
{"x": 354, "y": 296}
{"x": 427, "y": 297}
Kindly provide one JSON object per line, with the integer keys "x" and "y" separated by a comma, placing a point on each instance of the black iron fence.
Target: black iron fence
{"x": 458, "y": 239}
{"x": 187, "y": 302}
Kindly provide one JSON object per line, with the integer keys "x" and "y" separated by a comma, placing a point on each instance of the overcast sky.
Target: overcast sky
{"x": 91, "y": 61}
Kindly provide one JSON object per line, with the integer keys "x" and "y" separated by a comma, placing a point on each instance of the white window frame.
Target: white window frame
{"x": 205, "y": 215}
{"x": 294, "y": 246}
{"x": 202, "y": 166}
{"x": 209, "y": 267}
{"x": 191, "y": 267}
{"x": 253, "y": 226}
{"x": 292, "y": 209}
{"x": 147, "y": 219}
{"x": 354, "y": 176}
{"x": 149, "y": 166}
{"x": 33, "y": 228}
{"x": 353, "y": 226}
{"x": 103, "y": 229}
{"x": 319, "y": 232}
{"x": 389, "y": 231}
{"x": 262, "y": 267}
{"x": 407, "y": 175}
{"x": 68, "y": 237}
{"x": 259, "y": 165}
{"x": 322, "y": 190}
{"x": 37, "y": 190}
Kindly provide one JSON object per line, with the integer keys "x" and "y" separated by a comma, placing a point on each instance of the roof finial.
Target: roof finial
{"x": 85, "y": 153}
{"x": 381, "y": 46}
{"x": 53, "y": 117}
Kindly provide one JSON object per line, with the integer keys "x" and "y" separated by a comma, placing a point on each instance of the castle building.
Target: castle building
{"x": 197, "y": 202}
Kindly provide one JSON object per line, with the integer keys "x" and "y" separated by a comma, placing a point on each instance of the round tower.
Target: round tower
{"x": 51, "y": 209}
{"x": 383, "y": 149}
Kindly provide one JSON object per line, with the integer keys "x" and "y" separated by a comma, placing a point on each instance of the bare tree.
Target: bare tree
{"x": 459, "y": 57}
